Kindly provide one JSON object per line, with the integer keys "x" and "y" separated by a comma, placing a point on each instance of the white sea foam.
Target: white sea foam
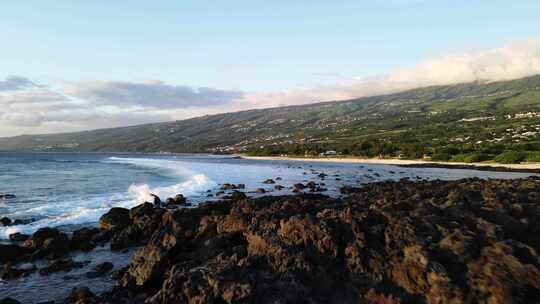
{"x": 76, "y": 212}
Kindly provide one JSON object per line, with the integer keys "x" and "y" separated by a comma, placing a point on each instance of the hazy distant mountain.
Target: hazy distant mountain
{"x": 439, "y": 113}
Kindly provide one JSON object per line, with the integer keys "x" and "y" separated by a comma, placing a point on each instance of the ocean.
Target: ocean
{"x": 72, "y": 189}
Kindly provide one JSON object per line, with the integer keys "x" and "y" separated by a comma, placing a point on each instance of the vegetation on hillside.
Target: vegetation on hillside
{"x": 466, "y": 122}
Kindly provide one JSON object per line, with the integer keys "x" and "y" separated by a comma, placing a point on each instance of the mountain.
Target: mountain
{"x": 436, "y": 117}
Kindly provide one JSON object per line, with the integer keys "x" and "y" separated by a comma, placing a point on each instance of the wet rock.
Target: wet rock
{"x": 392, "y": 242}
{"x": 82, "y": 295}
{"x": 100, "y": 270}
{"x": 7, "y": 196}
{"x": 65, "y": 265}
{"x": 48, "y": 242}
{"x": 10, "y": 252}
{"x": 5, "y": 221}
{"x": 22, "y": 221}
{"x": 116, "y": 218}
{"x": 228, "y": 186}
{"x": 236, "y": 195}
{"x": 260, "y": 190}
{"x": 278, "y": 187}
{"x": 18, "y": 237}
{"x": 349, "y": 189}
{"x": 156, "y": 199}
{"x": 9, "y": 300}
{"x": 298, "y": 187}
{"x": 12, "y": 273}
{"x": 179, "y": 199}
{"x": 83, "y": 239}
{"x": 141, "y": 222}
{"x": 269, "y": 181}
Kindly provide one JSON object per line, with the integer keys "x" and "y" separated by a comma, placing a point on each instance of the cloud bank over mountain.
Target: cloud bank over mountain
{"x": 514, "y": 60}
{"x": 30, "y": 107}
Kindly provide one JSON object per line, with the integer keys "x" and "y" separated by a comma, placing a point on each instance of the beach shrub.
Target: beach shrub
{"x": 533, "y": 156}
{"x": 473, "y": 157}
{"x": 441, "y": 156}
{"x": 510, "y": 157}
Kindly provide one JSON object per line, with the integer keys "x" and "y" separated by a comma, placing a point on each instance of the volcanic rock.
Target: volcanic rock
{"x": 116, "y": 218}
{"x": 388, "y": 242}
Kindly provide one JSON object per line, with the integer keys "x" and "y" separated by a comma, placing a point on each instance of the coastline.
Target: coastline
{"x": 227, "y": 248}
{"x": 523, "y": 167}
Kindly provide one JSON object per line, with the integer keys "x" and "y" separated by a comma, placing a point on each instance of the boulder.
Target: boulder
{"x": 156, "y": 199}
{"x": 18, "y": 237}
{"x": 5, "y": 221}
{"x": 179, "y": 199}
{"x": 236, "y": 196}
{"x": 60, "y": 265}
{"x": 100, "y": 270}
{"x": 260, "y": 190}
{"x": 11, "y": 273}
{"x": 9, "y": 300}
{"x": 83, "y": 239}
{"x": 269, "y": 181}
{"x": 82, "y": 295}
{"x": 116, "y": 218}
{"x": 10, "y": 252}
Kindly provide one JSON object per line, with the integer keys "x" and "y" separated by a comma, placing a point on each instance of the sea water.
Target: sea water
{"x": 70, "y": 190}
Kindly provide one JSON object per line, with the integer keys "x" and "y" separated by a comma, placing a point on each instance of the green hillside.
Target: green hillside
{"x": 466, "y": 122}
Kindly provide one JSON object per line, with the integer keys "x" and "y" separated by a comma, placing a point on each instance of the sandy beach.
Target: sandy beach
{"x": 399, "y": 162}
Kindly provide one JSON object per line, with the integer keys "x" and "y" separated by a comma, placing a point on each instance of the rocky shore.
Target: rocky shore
{"x": 466, "y": 241}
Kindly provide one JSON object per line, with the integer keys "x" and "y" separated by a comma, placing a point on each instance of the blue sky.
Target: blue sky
{"x": 253, "y": 45}
{"x": 248, "y": 46}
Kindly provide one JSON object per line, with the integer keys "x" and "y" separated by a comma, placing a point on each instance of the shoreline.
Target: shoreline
{"x": 153, "y": 236}
{"x": 242, "y": 241}
{"x": 524, "y": 167}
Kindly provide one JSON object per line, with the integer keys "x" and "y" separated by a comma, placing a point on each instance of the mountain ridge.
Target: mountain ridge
{"x": 321, "y": 123}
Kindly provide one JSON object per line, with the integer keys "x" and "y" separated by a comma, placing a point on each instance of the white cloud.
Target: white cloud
{"x": 513, "y": 60}
{"x": 28, "y": 107}
{"x": 14, "y": 83}
{"x": 154, "y": 94}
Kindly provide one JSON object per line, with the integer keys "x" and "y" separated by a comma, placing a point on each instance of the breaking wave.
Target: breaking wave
{"x": 70, "y": 212}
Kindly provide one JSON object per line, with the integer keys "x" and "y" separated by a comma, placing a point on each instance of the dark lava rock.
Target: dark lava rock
{"x": 11, "y": 273}
{"x": 100, "y": 270}
{"x": 48, "y": 242}
{"x": 22, "y": 221}
{"x": 349, "y": 190}
{"x": 141, "y": 222}
{"x": 60, "y": 265}
{"x": 7, "y": 196}
{"x": 179, "y": 199}
{"x": 82, "y": 295}
{"x": 11, "y": 252}
{"x": 83, "y": 239}
{"x": 9, "y": 301}
{"x": 156, "y": 199}
{"x": 392, "y": 242}
{"x": 269, "y": 181}
{"x": 116, "y": 218}
{"x": 279, "y": 187}
{"x": 236, "y": 195}
{"x": 5, "y": 221}
{"x": 18, "y": 237}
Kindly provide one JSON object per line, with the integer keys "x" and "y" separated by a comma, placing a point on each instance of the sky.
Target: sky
{"x": 77, "y": 65}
